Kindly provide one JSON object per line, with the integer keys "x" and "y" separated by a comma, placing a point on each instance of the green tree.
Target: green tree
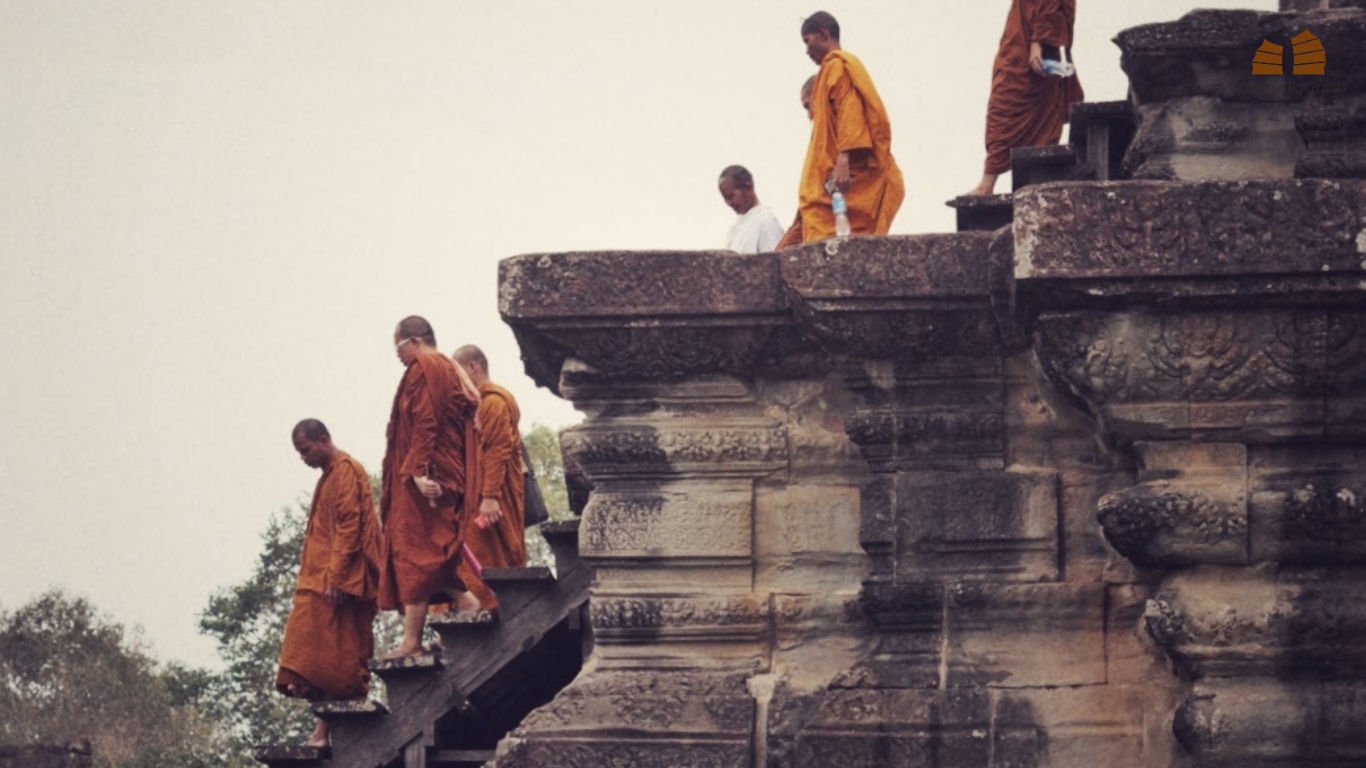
{"x": 68, "y": 673}
{"x": 248, "y": 621}
{"x": 543, "y": 446}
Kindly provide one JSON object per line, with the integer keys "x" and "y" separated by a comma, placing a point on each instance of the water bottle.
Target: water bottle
{"x": 841, "y": 210}
{"x": 1058, "y": 68}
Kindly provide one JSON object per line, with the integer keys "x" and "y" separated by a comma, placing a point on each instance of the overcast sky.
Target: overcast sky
{"x": 213, "y": 213}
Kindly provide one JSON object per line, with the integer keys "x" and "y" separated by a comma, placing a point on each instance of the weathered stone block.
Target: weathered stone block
{"x": 977, "y": 526}
{"x": 1022, "y": 635}
{"x": 1263, "y": 622}
{"x": 1308, "y": 505}
{"x": 807, "y": 538}
{"x": 1268, "y": 722}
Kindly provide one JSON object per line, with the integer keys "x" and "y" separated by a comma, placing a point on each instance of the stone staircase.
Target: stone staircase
{"x": 449, "y": 709}
{"x": 1100, "y": 133}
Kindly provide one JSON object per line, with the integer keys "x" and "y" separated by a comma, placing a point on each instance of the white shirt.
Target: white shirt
{"x": 755, "y": 231}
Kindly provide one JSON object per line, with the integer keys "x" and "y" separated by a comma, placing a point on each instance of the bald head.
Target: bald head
{"x": 820, "y": 21}
{"x": 470, "y": 355}
{"x": 738, "y": 175}
{"x": 311, "y": 429}
{"x": 472, "y": 359}
{"x": 415, "y": 327}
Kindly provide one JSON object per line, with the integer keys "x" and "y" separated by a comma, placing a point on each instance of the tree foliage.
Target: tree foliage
{"x": 248, "y": 622}
{"x": 543, "y": 446}
{"x": 67, "y": 673}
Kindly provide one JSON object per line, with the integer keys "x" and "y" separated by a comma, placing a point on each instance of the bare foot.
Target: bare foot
{"x": 987, "y": 186}
{"x": 404, "y": 651}
{"x": 319, "y": 736}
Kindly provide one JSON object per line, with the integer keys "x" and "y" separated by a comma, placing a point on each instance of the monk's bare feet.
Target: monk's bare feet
{"x": 466, "y": 601}
{"x": 987, "y": 186}
{"x": 319, "y": 736}
{"x": 403, "y": 650}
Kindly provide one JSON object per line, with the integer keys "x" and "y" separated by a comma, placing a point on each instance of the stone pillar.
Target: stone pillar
{"x": 1215, "y": 333}
{"x": 659, "y": 351}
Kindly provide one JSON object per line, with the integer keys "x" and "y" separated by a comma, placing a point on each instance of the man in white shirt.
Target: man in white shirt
{"x": 757, "y": 230}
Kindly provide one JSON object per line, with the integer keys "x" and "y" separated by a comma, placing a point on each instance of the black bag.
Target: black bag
{"x": 536, "y": 513}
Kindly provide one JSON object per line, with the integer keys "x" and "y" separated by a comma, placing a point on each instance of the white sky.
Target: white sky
{"x": 213, "y": 213}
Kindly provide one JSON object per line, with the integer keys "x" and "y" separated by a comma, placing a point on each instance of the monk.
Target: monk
{"x": 430, "y": 485}
{"x": 497, "y": 536}
{"x": 328, "y": 637}
{"x": 851, "y": 144}
{"x": 1028, "y": 107}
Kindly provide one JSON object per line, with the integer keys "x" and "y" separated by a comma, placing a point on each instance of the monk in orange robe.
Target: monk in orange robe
{"x": 430, "y": 485}
{"x": 851, "y": 144}
{"x": 1028, "y": 107}
{"x": 328, "y": 637}
{"x": 497, "y": 538}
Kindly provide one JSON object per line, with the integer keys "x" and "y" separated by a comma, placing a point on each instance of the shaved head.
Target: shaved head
{"x": 311, "y": 429}
{"x": 739, "y": 176}
{"x": 820, "y": 21}
{"x": 415, "y": 327}
{"x": 471, "y": 354}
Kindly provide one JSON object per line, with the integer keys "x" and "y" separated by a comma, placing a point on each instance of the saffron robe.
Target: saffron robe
{"x": 326, "y": 647}
{"x": 1028, "y": 109}
{"x": 501, "y": 545}
{"x": 431, "y": 433}
{"x": 847, "y": 116}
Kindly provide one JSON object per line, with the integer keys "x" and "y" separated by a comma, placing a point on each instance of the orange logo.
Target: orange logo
{"x": 1268, "y": 59}
{"x": 1310, "y": 57}
{"x": 1309, "y": 54}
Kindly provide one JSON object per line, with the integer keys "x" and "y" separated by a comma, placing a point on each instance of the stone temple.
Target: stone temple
{"x": 1082, "y": 484}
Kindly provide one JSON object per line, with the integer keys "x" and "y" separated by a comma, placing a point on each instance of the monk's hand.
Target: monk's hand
{"x": 427, "y": 487}
{"x": 1036, "y": 58}
{"x": 489, "y": 513}
{"x": 840, "y": 174}
{"x": 335, "y": 596}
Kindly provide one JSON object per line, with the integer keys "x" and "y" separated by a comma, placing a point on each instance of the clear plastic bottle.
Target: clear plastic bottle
{"x": 841, "y": 211}
{"x": 1058, "y": 68}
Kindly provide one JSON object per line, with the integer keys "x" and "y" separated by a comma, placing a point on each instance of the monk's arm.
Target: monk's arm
{"x": 851, "y": 127}
{"x": 423, "y": 438}
{"x": 1047, "y": 21}
{"x": 499, "y": 446}
{"x": 793, "y": 235}
{"x": 346, "y": 569}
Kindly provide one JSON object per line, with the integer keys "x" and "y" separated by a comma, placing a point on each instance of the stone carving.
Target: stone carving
{"x": 1156, "y": 526}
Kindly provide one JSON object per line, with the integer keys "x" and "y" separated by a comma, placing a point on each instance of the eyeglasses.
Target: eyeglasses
{"x": 399, "y": 345}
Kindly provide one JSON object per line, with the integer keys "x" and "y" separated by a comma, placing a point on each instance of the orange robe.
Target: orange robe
{"x": 501, "y": 545}
{"x": 1026, "y": 109}
{"x": 847, "y": 116}
{"x": 431, "y": 433}
{"x": 326, "y": 648}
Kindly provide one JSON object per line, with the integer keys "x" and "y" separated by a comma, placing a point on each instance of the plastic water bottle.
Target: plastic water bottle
{"x": 841, "y": 210}
{"x": 1058, "y": 68}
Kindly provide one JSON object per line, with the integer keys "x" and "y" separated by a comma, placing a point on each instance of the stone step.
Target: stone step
{"x": 290, "y": 756}
{"x": 459, "y": 758}
{"x": 348, "y": 720}
{"x": 1102, "y": 132}
{"x": 1038, "y": 165}
{"x": 517, "y": 587}
{"x": 462, "y": 632}
{"x": 983, "y": 212}
{"x": 404, "y": 676}
{"x": 563, "y": 538}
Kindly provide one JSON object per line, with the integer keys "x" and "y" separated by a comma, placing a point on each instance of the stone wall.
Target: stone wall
{"x": 1084, "y": 491}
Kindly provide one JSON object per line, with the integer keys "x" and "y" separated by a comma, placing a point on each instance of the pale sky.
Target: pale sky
{"x": 213, "y": 213}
